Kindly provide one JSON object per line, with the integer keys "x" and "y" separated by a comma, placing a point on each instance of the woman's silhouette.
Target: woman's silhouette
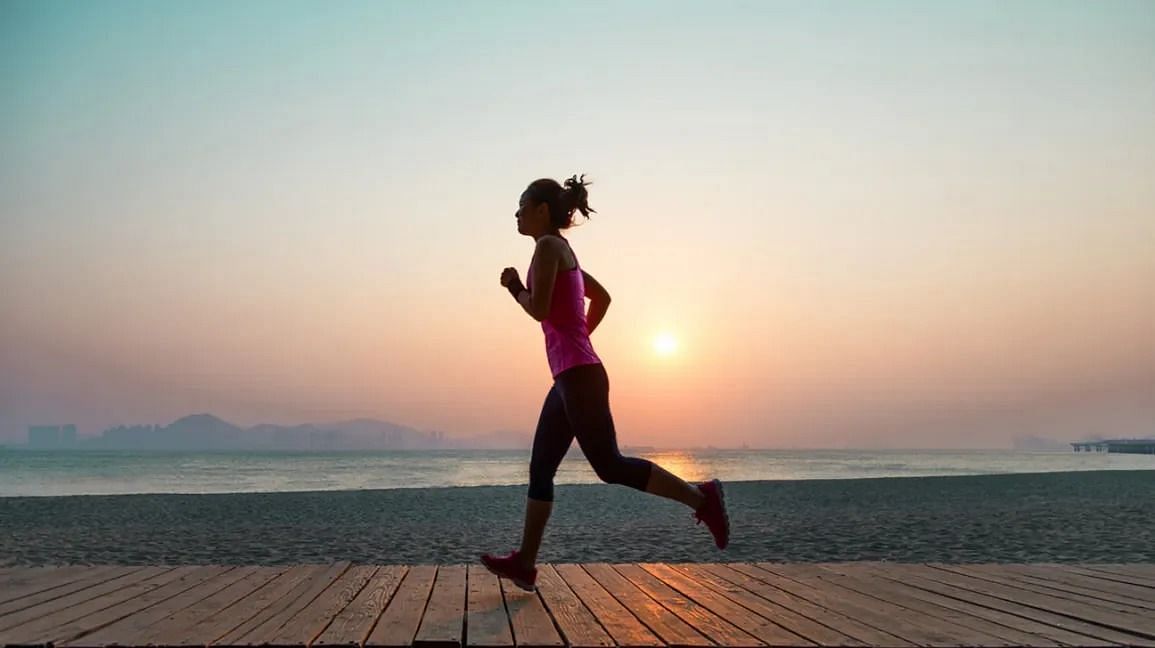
{"x": 577, "y": 405}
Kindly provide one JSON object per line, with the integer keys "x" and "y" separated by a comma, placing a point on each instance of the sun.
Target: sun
{"x": 665, "y": 344}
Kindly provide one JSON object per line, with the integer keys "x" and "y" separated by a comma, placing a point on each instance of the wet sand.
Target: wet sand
{"x": 1053, "y": 517}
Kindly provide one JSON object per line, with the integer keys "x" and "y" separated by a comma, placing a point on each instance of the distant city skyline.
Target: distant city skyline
{"x": 201, "y": 432}
{"x": 823, "y": 225}
{"x": 206, "y": 432}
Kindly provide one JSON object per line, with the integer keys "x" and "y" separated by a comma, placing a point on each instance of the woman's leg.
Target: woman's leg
{"x": 551, "y": 441}
{"x": 666, "y": 484}
{"x": 585, "y": 392}
{"x": 536, "y": 515}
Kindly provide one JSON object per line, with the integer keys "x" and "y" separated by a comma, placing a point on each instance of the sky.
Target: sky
{"x": 883, "y": 224}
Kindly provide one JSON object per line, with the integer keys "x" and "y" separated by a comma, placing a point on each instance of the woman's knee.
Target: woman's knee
{"x": 607, "y": 472}
{"x": 625, "y": 471}
{"x": 611, "y": 470}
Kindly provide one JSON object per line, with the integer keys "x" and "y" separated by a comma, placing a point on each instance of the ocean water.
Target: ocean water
{"x": 48, "y": 473}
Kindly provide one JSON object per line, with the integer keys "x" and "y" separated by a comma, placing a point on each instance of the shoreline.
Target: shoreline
{"x": 817, "y": 480}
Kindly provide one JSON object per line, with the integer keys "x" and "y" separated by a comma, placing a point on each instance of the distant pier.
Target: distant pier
{"x": 1125, "y": 446}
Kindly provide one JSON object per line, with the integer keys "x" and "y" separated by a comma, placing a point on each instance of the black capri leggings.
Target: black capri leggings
{"x": 578, "y": 405}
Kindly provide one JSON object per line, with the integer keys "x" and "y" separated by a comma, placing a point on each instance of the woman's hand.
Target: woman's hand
{"x": 512, "y": 283}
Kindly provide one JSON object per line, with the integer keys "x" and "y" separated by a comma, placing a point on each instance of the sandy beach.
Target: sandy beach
{"x": 1087, "y": 517}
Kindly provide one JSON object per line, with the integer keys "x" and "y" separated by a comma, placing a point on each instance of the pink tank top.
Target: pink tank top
{"x": 567, "y": 337}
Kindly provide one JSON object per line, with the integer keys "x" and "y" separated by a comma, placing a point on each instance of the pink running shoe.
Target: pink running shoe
{"x": 510, "y": 567}
{"x": 713, "y": 512}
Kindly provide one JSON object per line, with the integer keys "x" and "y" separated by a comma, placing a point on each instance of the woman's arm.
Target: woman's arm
{"x": 546, "y": 257}
{"x": 599, "y": 301}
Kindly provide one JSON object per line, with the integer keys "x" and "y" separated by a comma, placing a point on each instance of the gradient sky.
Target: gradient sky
{"x": 866, "y": 223}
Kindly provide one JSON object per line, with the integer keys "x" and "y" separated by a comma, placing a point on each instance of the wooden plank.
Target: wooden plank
{"x": 399, "y": 622}
{"x": 1119, "y": 576}
{"x": 1096, "y": 580}
{"x": 262, "y": 628}
{"x": 129, "y": 628}
{"x": 1001, "y": 576}
{"x": 43, "y": 628}
{"x": 249, "y": 611}
{"x": 1053, "y": 580}
{"x": 709, "y": 624}
{"x": 1140, "y": 625}
{"x": 56, "y": 585}
{"x": 805, "y": 627}
{"x": 668, "y": 626}
{"x": 622, "y": 626}
{"x": 578, "y": 626}
{"x": 754, "y": 580}
{"x": 763, "y": 629}
{"x": 33, "y": 572}
{"x": 485, "y": 615}
{"x": 1143, "y": 595}
{"x": 960, "y": 587}
{"x": 908, "y": 624}
{"x": 531, "y": 624}
{"x": 61, "y": 607}
{"x": 184, "y": 578}
{"x": 857, "y": 578}
{"x": 184, "y": 627}
{"x": 871, "y": 614}
{"x": 961, "y": 627}
{"x": 47, "y": 583}
{"x": 988, "y": 609}
{"x": 351, "y": 627}
{"x": 126, "y": 622}
{"x": 444, "y": 620}
{"x": 1138, "y": 570}
{"x": 306, "y": 623}
{"x": 919, "y": 576}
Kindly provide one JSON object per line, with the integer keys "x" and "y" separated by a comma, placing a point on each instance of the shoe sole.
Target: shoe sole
{"x": 529, "y": 587}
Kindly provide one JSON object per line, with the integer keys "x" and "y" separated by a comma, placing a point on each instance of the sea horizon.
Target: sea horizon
{"x": 33, "y": 473}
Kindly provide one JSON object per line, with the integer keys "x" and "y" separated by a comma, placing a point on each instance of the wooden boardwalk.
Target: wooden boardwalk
{"x": 584, "y": 606}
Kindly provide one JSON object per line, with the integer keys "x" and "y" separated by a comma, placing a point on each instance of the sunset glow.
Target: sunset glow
{"x": 855, "y": 224}
{"x": 665, "y": 344}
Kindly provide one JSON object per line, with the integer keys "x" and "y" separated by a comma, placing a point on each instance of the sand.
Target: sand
{"x": 1054, "y": 517}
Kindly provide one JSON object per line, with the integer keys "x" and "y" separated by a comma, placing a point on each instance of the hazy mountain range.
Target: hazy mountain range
{"x": 208, "y": 432}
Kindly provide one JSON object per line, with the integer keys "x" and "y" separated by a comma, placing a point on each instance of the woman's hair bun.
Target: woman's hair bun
{"x": 575, "y": 197}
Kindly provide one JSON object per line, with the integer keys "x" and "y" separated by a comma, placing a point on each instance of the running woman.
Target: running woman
{"x": 577, "y": 405}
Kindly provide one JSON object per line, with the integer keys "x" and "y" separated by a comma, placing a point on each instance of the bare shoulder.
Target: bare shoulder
{"x": 553, "y": 247}
{"x": 551, "y": 242}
